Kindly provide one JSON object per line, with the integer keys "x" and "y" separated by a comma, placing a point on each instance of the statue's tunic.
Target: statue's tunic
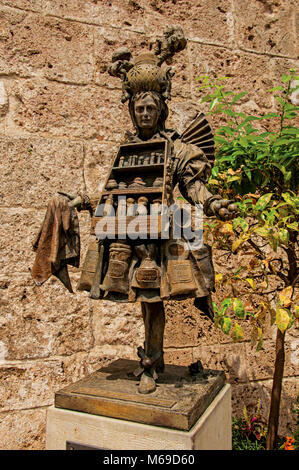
{"x": 179, "y": 274}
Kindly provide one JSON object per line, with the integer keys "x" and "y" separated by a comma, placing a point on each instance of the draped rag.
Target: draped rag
{"x": 57, "y": 243}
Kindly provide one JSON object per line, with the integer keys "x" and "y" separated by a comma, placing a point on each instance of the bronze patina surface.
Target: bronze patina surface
{"x": 136, "y": 254}
{"x": 178, "y": 401}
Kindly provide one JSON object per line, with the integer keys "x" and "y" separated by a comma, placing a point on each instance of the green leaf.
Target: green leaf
{"x": 282, "y": 319}
{"x": 290, "y": 200}
{"x": 238, "y": 308}
{"x": 213, "y": 103}
{"x": 215, "y": 307}
{"x": 227, "y": 228}
{"x": 214, "y": 182}
{"x": 279, "y": 99}
{"x": 270, "y": 115}
{"x": 287, "y": 176}
{"x": 248, "y": 174}
{"x": 244, "y": 141}
{"x": 286, "y": 78}
{"x": 229, "y": 112}
{"x": 224, "y": 305}
{"x": 239, "y": 222}
{"x": 251, "y": 282}
{"x": 237, "y": 332}
{"x": 292, "y": 319}
{"x": 285, "y": 296}
{"x": 242, "y": 239}
{"x": 296, "y": 311}
{"x": 251, "y": 118}
{"x": 293, "y": 226}
{"x": 230, "y": 179}
{"x": 290, "y": 130}
{"x": 262, "y": 231}
{"x": 263, "y": 202}
{"x": 276, "y": 88}
{"x": 226, "y": 130}
{"x": 226, "y": 324}
{"x": 220, "y": 140}
{"x": 283, "y": 236}
{"x": 238, "y": 97}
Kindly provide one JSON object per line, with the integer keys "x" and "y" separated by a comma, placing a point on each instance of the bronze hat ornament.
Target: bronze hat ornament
{"x": 144, "y": 73}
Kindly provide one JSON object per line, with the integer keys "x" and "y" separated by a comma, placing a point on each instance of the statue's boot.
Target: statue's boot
{"x": 147, "y": 383}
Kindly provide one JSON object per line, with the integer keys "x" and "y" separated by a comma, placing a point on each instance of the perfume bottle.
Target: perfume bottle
{"x": 142, "y": 206}
{"x": 131, "y": 207}
{"x": 108, "y": 207}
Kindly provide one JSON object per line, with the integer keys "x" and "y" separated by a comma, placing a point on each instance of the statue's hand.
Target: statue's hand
{"x": 224, "y": 209}
{"x": 75, "y": 200}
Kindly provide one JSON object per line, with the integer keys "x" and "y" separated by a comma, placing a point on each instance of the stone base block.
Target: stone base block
{"x": 212, "y": 431}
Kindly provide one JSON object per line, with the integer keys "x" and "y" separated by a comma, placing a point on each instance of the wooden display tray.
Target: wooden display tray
{"x": 178, "y": 402}
{"x": 130, "y": 191}
{"x": 121, "y": 225}
{"x": 148, "y": 172}
{"x": 139, "y": 168}
{"x": 141, "y": 148}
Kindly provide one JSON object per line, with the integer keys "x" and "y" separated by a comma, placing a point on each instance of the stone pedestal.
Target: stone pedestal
{"x": 106, "y": 411}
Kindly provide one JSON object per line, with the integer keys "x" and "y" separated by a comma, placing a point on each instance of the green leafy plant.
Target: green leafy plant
{"x": 257, "y": 165}
{"x": 240, "y": 441}
{"x": 249, "y": 432}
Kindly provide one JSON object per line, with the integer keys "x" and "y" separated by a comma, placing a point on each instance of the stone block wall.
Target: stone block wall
{"x": 61, "y": 120}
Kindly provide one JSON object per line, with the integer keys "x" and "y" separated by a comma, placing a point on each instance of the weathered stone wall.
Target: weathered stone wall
{"x": 60, "y": 122}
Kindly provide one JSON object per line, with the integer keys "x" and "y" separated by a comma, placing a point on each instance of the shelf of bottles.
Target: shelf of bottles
{"x": 135, "y": 184}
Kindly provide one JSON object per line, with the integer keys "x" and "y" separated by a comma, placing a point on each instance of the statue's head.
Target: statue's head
{"x": 149, "y": 112}
{"x": 145, "y": 83}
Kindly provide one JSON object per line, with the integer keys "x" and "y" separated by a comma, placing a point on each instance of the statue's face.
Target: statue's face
{"x": 146, "y": 113}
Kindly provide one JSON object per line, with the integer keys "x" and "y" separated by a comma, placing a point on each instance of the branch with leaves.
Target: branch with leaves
{"x": 259, "y": 170}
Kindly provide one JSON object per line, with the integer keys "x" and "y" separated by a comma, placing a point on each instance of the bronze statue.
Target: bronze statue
{"x": 147, "y": 269}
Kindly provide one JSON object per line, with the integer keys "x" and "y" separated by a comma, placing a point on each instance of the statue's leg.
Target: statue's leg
{"x": 154, "y": 324}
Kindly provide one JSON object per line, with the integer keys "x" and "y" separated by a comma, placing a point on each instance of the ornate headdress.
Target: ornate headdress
{"x": 144, "y": 73}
